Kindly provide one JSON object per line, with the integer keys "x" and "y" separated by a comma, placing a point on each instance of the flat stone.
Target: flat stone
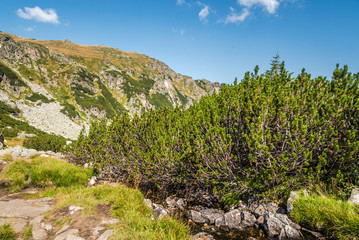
{"x": 110, "y": 221}
{"x": 17, "y": 223}
{"x": 106, "y": 235}
{"x": 69, "y": 235}
{"x": 25, "y": 208}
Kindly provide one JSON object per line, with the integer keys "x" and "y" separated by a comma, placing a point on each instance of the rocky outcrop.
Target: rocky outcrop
{"x": 21, "y": 152}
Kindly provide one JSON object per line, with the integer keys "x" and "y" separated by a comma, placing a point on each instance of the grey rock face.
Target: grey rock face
{"x": 354, "y": 197}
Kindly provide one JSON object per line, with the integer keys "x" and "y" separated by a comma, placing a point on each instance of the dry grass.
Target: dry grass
{"x": 10, "y": 142}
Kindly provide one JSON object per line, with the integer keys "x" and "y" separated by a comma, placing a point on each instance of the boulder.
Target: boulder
{"x": 289, "y": 232}
{"x": 211, "y": 214}
{"x": 203, "y": 236}
{"x": 233, "y": 219}
{"x": 159, "y": 211}
{"x": 175, "y": 204}
{"x": 248, "y": 219}
{"x": 279, "y": 225}
{"x": 354, "y": 197}
{"x": 196, "y": 216}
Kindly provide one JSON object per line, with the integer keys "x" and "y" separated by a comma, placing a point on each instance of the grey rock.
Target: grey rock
{"x": 69, "y": 235}
{"x": 203, "y": 236}
{"x": 233, "y": 219}
{"x": 175, "y": 204}
{"x": 73, "y": 209}
{"x": 92, "y": 181}
{"x": 354, "y": 197}
{"x": 106, "y": 235}
{"x": 279, "y": 225}
{"x": 159, "y": 211}
{"x": 211, "y": 214}
{"x": 196, "y": 216}
{"x": 292, "y": 198}
{"x": 25, "y": 208}
{"x": 148, "y": 203}
{"x": 248, "y": 219}
{"x": 17, "y": 223}
{"x": 220, "y": 222}
{"x": 289, "y": 233}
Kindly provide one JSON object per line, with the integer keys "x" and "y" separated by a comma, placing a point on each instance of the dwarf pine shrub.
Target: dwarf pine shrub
{"x": 267, "y": 134}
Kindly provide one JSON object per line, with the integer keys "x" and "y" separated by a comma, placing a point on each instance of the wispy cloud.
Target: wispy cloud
{"x": 203, "y": 14}
{"x": 180, "y": 31}
{"x": 270, "y": 5}
{"x": 38, "y": 14}
{"x": 234, "y": 17}
{"x": 181, "y": 2}
{"x": 29, "y": 29}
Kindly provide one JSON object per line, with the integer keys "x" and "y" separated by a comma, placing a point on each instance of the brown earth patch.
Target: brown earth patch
{"x": 85, "y": 223}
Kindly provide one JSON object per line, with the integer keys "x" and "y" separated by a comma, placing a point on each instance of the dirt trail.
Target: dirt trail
{"x": 20, "y": 211}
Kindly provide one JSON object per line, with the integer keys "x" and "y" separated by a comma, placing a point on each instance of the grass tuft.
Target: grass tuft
{"x": 27, "y": 232}
{"x": 337, "y": 218}
{"x": 44, "y": 172}
{"x": 127, "y": 205}
{"x": 7, "y": 232}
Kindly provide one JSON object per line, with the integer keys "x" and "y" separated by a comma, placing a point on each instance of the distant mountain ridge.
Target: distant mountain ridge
{"x": 76, "y": 83}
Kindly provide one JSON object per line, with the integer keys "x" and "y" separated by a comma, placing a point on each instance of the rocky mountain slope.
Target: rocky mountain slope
{"x": 58, "y": 86}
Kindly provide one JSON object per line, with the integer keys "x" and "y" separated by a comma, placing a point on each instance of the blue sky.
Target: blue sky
{"x": 213, "y": 39}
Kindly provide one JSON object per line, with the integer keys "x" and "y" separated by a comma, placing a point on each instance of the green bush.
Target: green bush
{"x": 7, "y": 232}
{"x": 268, "y": 134}
{"x": 9, "y": 132}
{"x": 36, "y": 97}
{"x": 45, "y": 142}
{"x": 69, "y": 110}
{"x": 337, "y": 218}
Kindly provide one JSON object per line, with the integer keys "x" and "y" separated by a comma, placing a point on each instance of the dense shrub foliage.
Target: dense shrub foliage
{"x": 45, "y": 142}
{"x": 267, "y": 134}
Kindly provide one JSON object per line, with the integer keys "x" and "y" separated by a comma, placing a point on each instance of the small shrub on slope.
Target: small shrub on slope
{"x": 45, "y": 142}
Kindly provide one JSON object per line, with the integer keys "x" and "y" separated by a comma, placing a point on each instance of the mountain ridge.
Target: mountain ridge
{"x": 88, "y": 81}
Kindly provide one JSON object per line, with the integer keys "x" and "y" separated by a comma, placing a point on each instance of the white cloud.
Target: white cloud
{"x": 203, "y": 14}
{"x": 234, "y": 17}
{"x": 29, "y": 29}
{"x": 37, "y": 14}
{"x": 270, "y": 5}
{"x": 180, "y": 2}
{"x": 180, "y": 31}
